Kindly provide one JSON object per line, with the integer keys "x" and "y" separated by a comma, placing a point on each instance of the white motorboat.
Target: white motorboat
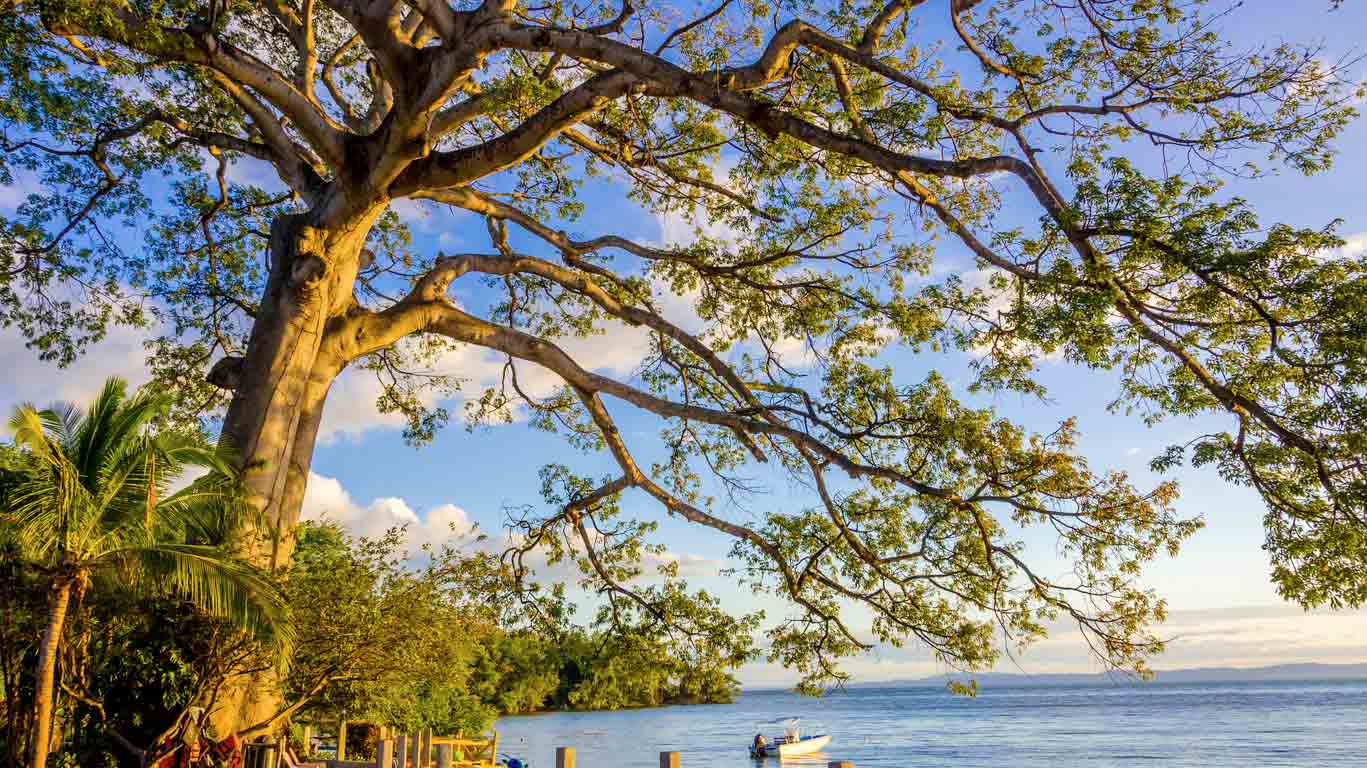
{"x": 791, "y": 744}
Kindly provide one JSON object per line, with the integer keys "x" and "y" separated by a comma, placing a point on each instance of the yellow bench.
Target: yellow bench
{"x": 474, "y": 753}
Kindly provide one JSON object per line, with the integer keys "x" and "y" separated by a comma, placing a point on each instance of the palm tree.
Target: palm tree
{"x": 96, "y": 503}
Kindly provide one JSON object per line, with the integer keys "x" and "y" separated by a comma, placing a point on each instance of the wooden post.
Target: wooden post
{"x": 564, "y": 757}
{"x": 402, "y": 750}
{"x": 341, "y": 740}
{"x": 384, "y": 754}
{"x": 425, "y": 748}
{"x": 444, "y": 756}
{"x": 669, "y": 760}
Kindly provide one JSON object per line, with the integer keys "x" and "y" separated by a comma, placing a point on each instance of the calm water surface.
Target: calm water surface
{"x": 1304, "y": 725}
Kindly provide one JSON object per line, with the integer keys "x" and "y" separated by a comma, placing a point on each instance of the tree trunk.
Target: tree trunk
{"x": 283, "y": 380}
{"x": 58, "y": 600}
{"x": 280, "y": 388}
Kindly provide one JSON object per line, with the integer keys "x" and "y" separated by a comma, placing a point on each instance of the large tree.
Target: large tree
{"x": 840, "y": 155}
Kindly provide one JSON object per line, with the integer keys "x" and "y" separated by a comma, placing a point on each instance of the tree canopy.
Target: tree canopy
{"x": 835, "y": 156}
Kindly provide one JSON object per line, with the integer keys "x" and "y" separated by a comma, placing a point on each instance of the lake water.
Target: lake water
{"x": 1318, "y": 724}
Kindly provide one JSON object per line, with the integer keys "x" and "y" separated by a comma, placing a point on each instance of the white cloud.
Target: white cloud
{"x": 999, "y": 302}
{"x": 689, "y": 565}
{"x": 120, "y": 354}
{"x": 326, "y": 499}
{"x": 1241, "y": 637}
{"x": 680, "y": 231}
{"x": 350, "y": 411}
{"x": 676, "y": 229}
{"x": 244, "y": 171}
{"x": 981, "y": 279}
{"x": 1246, "y": 637}
{"x": 415, "y": 213}
{"x": 1354, "y": 246}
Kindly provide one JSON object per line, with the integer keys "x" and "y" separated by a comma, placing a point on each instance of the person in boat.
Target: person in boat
{"x": 757, "y": 748}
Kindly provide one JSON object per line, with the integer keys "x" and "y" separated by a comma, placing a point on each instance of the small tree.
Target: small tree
{"x": 95, "y": 504}
{"x": 383, "y": 638}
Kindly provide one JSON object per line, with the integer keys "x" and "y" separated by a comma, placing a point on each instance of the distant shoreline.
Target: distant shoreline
{"x": 1307, "y": 672}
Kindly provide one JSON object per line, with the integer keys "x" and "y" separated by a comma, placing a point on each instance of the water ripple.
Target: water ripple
{"x": 1224, "y": 725}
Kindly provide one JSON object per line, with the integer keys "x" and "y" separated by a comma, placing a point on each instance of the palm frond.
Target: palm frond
{"x": 129, "y": 481}
{"x": 215, "y": 582}
{"x": 96, "y": 495}
{"x": 219, "y": 459}
{"x": 65, "y": 421}
{"x": 30, "y": 430}
{"x": 114, "y": 427}
{"x": 211, "y": 510}
{"x": 90, "y": 443}
{"x": 51, "y": 508}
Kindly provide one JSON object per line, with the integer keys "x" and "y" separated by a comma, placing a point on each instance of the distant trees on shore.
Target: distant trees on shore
{"x": 521, "y": 673}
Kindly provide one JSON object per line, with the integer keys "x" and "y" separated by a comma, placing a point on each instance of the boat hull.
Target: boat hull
{"x": 804, "y": 746}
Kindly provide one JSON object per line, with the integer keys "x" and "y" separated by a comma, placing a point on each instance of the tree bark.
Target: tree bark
{"x": 58, "y": 600}
{"x": 283, "y": 381}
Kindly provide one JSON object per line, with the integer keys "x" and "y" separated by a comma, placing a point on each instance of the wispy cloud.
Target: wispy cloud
{"x": 1242, "y": 637}
{"x": 1354, "y": 246}
{"x": 351, "y": 409}
{"x": 120, "y": 354}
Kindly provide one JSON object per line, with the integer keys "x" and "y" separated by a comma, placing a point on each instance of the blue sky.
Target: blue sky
{"x": 1225, "y": 609}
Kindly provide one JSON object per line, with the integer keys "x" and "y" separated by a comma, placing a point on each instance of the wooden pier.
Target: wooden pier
{"x": 416, "y": 750}
{"x": 424, "y": 751}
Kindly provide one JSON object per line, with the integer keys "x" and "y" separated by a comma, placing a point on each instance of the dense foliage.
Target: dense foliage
{"x": 380, "y": 637}
{"x": 382, "y": 641}
{"x": 92, "y": 527}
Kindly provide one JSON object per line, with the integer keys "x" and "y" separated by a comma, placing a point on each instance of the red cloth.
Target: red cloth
{"x": 226, "y": 753}
{"x": 173, "y": 754}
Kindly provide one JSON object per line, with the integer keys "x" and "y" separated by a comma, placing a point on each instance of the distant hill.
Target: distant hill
{"x": 1199, "y": 675}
